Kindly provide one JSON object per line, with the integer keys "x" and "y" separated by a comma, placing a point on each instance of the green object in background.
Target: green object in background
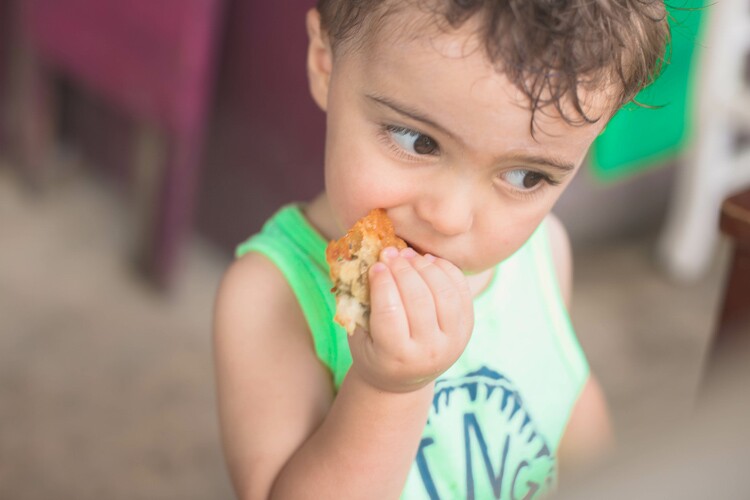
{"x": 637, "y": 138}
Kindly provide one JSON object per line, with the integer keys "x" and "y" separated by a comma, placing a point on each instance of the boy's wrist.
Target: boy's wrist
{"x": 362, "y": 382}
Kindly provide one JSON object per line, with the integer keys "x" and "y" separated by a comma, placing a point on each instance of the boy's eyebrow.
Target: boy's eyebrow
{"x": 411, "y": 113}
{"x": 555, "y": 163}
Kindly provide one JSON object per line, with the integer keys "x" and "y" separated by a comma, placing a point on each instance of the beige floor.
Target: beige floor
{"x": 106, "y": 387}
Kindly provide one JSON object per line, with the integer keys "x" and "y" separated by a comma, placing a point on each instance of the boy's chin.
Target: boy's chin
{"x": 473, "y": 272}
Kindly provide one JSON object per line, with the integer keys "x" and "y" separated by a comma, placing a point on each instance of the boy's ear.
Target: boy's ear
{"x": 319, "y": 60}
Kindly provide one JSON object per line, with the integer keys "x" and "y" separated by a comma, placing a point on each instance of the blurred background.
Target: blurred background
{"x": 141, "y": 141}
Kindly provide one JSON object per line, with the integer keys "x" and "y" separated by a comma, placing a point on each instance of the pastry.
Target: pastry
{"x": 350, "y": 259}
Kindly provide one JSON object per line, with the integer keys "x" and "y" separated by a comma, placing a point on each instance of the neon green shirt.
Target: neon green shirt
{"x": 499, "y": 412}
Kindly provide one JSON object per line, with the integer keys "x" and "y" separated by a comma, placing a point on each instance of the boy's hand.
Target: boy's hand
{"x": 420, "y": 322}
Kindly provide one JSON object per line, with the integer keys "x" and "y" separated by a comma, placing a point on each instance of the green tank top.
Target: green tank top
{"x": 499, "y": 412}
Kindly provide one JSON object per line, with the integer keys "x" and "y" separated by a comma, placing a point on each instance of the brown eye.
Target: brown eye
{"x": 424, "y": 145}
{"x": 413, "y": 142}
{"x": 526, "y": 180}
{"x": 532, "y": 179}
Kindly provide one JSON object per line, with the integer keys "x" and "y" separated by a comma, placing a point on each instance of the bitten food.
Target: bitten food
{"x": 350, "y": 259}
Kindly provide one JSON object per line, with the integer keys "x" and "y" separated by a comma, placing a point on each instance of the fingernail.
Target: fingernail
{"x": 429, "y": 257}
{"x": 378, "y": 267}
{"x": 390, "y": 253}
{"x": 408, "y": 252}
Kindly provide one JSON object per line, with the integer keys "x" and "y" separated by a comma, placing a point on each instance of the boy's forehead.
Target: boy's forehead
{"x": 411, "y": 50}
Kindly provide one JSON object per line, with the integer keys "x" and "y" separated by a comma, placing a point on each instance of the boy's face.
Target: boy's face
{"x": 426, "y": 128}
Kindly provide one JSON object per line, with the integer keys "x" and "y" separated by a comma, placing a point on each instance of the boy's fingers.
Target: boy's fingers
{"x": 444, "y": 291}
{"x": 388, "y": 323}
{"x": 415, "y": 296}
{"x": 464, "y": 292}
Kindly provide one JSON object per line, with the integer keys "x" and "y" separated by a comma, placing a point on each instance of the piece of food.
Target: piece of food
{"x": 350, "y": 259}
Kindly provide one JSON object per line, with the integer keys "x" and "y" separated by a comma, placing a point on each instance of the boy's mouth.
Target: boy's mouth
{"x": 416, "y": 248}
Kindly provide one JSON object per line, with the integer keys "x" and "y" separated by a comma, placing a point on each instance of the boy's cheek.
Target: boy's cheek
{"x": 364, "y": 178}
{"x": 355, "y": 199}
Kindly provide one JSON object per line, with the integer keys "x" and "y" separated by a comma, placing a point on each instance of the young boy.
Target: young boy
{"x": 465, "y": 120}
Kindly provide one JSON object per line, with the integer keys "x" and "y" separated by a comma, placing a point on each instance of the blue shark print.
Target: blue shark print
{"x": 503, "y": 455}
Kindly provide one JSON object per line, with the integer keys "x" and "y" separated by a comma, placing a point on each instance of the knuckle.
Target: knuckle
{"x": 447, "y": 266}
{"x": 453, "y": 272}
{"x": 400, "y": 265}
{"x": 399, "y": 362}
{"x": 433, "y": 355}
{"x": 421, "y": 300}
{"x": 433, "y": 350}
{"x": 447, "y": 293}
{"x": 386, "y": 309}
{"x": 422, "y": 263}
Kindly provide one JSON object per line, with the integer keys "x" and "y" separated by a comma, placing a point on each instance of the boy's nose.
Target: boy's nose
{"x": 449, "y": 211}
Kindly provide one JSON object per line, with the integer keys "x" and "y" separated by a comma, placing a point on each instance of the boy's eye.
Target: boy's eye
{"x": 412, "y": 141}
{"x": 524, "y": 179}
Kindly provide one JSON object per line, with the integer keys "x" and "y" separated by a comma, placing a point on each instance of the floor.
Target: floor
{"x": 106, "y": 385}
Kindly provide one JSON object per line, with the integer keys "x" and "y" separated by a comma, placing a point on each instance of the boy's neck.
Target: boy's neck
{"x": 319, "y": 215}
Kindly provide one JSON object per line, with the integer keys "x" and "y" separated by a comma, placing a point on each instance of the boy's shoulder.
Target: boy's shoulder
{"x": 255, "y": 298}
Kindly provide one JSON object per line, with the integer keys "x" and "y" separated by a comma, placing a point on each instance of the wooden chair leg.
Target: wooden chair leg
{"x": 33, "y": 113}
{"x": 148, "y": 171}
{"x": 166, "y": 185}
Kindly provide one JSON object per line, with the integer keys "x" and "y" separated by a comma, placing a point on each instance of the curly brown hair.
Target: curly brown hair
{"x": 549, "y": 49}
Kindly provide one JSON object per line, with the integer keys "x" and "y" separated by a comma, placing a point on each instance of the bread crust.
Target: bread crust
{"x": 349, "y": 260}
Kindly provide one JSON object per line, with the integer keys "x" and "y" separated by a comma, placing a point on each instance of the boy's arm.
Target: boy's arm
{"x": 284, "y": 435}
{"x": 272, "y": 392}
{"x": 588, "y": 434}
